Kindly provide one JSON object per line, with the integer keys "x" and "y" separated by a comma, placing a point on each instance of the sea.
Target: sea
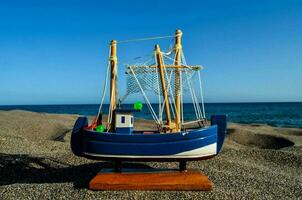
{"x": 274, "y": 114}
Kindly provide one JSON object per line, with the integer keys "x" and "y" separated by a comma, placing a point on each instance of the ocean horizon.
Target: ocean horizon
{"x": 278, "y": 114}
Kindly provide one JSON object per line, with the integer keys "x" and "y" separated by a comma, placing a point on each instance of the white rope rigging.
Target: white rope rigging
{"x": 146, "y": 99}
{"x": 199, "y": 114}
{"x": 201, "y": 94}
{"x": 104, "y": 89}
{"x": 169, "y": 89}
{"x": 200, "y": 89}
{"x": 181, "y": 100}
{"x": 144, "y": 39}
{"x": 109, "y": 119}
{"x": 143, "y": 77}
{"x": 160, "y": 116}
{"x": 197, "y": 105}
{"x": 194, "y": 105}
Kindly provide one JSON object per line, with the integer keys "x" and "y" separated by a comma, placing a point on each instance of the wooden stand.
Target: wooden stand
{"x": 150, "y": 179}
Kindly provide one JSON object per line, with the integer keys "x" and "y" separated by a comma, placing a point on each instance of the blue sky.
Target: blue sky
{"x": 55, "y": 52}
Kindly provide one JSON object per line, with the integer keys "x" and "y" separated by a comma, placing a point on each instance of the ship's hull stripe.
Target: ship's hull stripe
{"x": 205, "y": 151}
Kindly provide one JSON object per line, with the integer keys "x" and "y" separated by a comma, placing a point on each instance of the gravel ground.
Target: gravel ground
{"x": 257, "y": 162}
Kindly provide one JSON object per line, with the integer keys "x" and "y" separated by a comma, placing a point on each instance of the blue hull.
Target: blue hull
{"x": 191, "y": 145}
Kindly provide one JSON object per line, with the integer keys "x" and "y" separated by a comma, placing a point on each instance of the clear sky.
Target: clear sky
{"x": 55, "y": 52}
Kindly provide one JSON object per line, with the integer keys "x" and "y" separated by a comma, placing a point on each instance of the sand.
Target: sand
{"x": 257, "y": 162}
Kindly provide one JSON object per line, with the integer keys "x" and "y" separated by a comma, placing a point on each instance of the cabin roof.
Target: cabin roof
{"x": 126, "y": 111}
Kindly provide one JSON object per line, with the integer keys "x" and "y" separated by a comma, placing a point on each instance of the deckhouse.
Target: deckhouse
{"x": 124, "y": 120}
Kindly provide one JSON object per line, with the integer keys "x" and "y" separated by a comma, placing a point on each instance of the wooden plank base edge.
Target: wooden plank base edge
{"x": 138, "y": 179}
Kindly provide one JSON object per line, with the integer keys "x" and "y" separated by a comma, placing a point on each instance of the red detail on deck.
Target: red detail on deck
{"x": 148, "y": 132}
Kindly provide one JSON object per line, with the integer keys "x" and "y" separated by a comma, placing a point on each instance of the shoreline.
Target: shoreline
{"x": 278, "y": 114}
{"x": 140, "y": 118}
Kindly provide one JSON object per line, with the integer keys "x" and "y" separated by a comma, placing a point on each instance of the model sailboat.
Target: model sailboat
{"x": 172, "y": 140}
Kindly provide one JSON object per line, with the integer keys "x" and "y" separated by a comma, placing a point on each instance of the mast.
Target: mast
{"x": 161, "y": 66}
{"x": 113, "y": 75}
{"x": 178, "y": 49}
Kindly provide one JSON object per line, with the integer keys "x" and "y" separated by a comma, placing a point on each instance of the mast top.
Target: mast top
{"x": 157, "y": 48}
{"x": 113, "y": 56}
{"x": 113, "y": 42}
{"x": 178, "y": 46}
{"x": 178, "y": 32}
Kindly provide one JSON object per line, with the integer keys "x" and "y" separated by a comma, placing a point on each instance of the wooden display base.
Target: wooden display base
{"x": 150, "y": 179}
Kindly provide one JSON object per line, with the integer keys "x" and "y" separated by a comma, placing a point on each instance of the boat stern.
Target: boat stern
{"x": 77, "y": 136}
{"x": 221, "y": 122}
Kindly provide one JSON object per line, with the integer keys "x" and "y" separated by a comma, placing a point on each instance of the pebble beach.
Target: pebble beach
{"x": 257, "y": 162}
